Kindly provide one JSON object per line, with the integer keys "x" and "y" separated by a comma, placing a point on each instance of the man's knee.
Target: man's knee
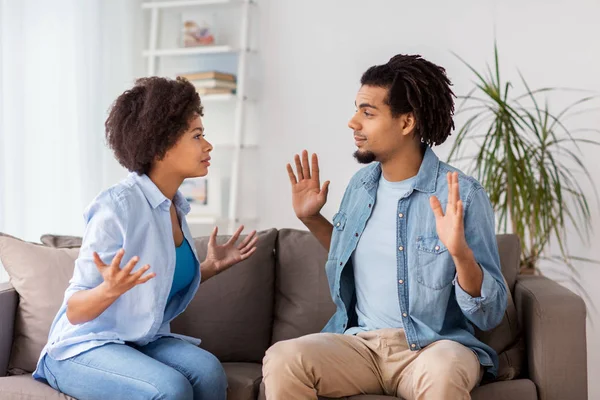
{"x": 451, "y": 366}
{"x": 282, "y": 353}
{"x": 290, "y": 356}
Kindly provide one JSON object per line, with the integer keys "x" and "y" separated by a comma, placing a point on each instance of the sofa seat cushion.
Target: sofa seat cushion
{"x": 521, "y": 389}
{"x": 24, "y": 387}
{"x": 244, "y": 380}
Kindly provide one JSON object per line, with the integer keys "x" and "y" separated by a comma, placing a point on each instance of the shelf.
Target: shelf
{"x": 188, "y": 51}
{"x": 186, "y": 3}
{"x": 217, "y": 97}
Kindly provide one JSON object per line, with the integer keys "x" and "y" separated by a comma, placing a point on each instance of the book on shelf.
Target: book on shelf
{"x": 197, "y": 76}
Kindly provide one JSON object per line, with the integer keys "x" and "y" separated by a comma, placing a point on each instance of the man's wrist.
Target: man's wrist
{"x": 463, "y": 256}
{"x": 311, "y": 218}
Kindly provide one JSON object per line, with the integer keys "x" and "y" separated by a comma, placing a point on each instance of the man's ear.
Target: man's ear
{"x": 408, "y": 123}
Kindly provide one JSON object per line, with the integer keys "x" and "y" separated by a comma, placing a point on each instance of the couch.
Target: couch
{"x": 281, "y": 293}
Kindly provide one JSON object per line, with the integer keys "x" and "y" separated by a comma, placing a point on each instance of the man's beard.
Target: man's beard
{"x": 364, "y": 157}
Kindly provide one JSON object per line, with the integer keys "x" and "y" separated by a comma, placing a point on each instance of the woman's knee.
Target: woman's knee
{"x": 210, "y": 381}
{"x": 173, "y": 386}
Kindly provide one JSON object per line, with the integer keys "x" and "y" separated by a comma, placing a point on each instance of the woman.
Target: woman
{"x": 111, "y": 337}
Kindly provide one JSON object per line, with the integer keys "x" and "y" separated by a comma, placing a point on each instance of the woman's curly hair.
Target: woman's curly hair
{"x": 418, "y": 86}
{"x": 147, "y": 120}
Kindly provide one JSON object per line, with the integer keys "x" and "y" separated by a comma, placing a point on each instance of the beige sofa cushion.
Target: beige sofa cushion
{"x": 24, "y": 387}
{"x": 61, "y": 241}
{"x": 40, "y": 275}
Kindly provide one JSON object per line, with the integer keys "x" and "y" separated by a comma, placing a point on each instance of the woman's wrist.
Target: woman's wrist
{"x": 208, "y": 269}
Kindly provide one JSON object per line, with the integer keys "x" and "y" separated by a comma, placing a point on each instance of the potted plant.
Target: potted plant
{"x": 530, "y": 164}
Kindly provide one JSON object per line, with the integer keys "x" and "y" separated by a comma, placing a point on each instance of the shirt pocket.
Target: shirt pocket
{"x": 435, "y": 269}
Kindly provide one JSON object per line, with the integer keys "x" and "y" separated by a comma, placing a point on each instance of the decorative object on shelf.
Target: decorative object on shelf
{"x": 204, "y": 195}
{"x": 197, "y": 34}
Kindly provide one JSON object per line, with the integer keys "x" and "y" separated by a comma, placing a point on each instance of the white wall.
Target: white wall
{"x": 316, "y": 51}
{"x": 311, "y": 54}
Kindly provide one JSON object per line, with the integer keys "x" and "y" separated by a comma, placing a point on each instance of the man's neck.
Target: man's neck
{"x": 403, "y": 165}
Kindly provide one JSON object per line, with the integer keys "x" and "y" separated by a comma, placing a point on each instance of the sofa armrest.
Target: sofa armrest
{"x": 553, "y": 320}
{"x": 8, "y": 307}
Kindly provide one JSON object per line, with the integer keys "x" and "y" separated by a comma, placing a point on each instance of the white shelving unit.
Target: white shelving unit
{"x": 154, "y": 54}
{"x": 189, "y": 51}
{"x": 185, "y": 3}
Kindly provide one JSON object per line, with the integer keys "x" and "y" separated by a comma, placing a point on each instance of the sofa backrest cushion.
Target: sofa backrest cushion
{"x": 40, "y": 275}
{"x": 233, "y": 312}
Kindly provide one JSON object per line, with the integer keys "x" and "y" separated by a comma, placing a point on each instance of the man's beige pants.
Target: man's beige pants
{"x": 376, "y": 362}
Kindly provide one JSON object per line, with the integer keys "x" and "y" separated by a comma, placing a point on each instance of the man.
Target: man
{"x": 413, "y": 261}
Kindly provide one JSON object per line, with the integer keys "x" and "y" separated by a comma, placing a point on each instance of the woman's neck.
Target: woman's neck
{"x": 167, "y": 182}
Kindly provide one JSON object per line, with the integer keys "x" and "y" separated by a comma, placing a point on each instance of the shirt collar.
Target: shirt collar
{"x": 156, "y": 198}
{"x": 428, "y": 172}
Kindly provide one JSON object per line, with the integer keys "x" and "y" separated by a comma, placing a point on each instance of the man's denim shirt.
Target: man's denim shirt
{"x": 428, "y": 292}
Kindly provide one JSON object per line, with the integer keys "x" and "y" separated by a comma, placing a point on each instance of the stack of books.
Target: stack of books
{"x": 212, "y": 82}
